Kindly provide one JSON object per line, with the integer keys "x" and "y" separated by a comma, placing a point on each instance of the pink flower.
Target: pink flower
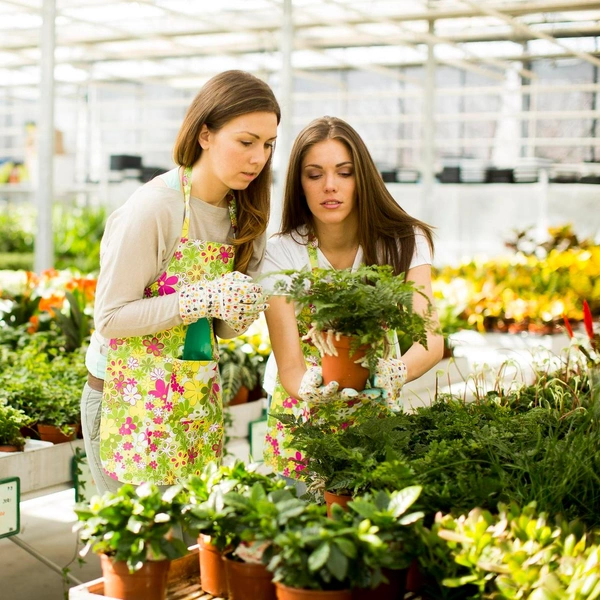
{"x": 225, "y": 254}
{"x": 137, "y": 458}
{"x": 153, "y": 346}
{"x": 118, "y": 456}
{"x": 153, "y": 464}
{"x": 279, "y": 426}
{"x": 128, "y": 427}
{"x": 157, "y": 420}
{"x": 178, "y": 255}
{"x": 149, "y": 405}
{"x": 153, "y": 447}
{"x": 115, "y": 343}
{"x": 192, "y": 456}
{"x": 161, "y": 390}
{"x": 286, "y": 472}
{"x": 289, "y": 402}
{"x": 165, "y": 284}
{"x": 127, "y": 446}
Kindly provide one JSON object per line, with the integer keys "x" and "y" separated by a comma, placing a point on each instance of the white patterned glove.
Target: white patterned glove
{"x": 233, "y": 298}
{"x": 390, "y": 376}
{"x": 311, "y": 388}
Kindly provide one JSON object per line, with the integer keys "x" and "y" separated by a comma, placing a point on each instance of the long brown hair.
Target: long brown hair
{"x": 386, "y": 231}
{"x": 224, "y": 97}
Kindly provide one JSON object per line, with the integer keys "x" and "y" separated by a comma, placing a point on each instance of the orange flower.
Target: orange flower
{"x": 34, "y": 324}
{"x": 53, "y": 301}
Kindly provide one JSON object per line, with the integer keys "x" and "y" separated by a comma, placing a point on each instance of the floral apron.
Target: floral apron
{"x": 162, "y": 417}
{"x": 277, "y": 451}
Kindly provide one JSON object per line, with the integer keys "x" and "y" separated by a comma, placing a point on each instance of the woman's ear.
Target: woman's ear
{"x": 204, "y": 137}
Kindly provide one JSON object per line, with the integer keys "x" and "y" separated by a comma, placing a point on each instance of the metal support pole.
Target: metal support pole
{"x": 284, "y": 137}
{"x": 30, "y": 550}
{"x": 44, "y": 244}
{"x": 428, "y": 130}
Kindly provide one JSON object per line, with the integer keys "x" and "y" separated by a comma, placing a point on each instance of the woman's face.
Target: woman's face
{"x": 329, "y": 182}
{"x": 238, "y": 152}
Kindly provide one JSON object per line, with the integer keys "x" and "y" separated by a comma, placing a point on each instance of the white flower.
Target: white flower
{"x": 157, "y": 374}
{"x": 214, "y": 427}
{"x": 206, "y": 372}
{"x": 131, "y": 394}
{"x": 133, "y": 363}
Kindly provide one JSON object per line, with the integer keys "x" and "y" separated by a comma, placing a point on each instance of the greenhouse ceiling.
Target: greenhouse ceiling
{"x": 183, "y": 42}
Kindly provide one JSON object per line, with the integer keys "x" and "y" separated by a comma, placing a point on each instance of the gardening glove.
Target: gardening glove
{"x": 390, "y": 376}
{"x": 233, "y": 298}
{"x": 311, "y": 388}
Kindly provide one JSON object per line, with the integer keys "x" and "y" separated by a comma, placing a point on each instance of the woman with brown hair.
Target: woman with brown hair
{"x": 176, "y": 267}
{"x": 337, "y": 214}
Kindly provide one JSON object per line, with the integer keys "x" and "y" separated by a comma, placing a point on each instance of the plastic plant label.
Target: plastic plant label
{"x": 10, "y": 515}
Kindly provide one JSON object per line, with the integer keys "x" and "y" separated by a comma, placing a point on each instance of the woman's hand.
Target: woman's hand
{"x": 234, "y": 298}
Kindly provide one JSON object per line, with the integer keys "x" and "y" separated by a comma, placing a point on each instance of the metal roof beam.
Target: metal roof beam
{"x": 534, "y": 32}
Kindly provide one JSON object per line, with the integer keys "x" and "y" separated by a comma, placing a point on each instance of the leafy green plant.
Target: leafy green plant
{"x": 11, "y": 421}
{"x": 74, "y": 324}
{"x": 133, "y": 524}
{"x": 521, "y": 554}
{"x": 365, "y": 303}
{"x": 239, "y": 365}
{"x": 352, "y": 460}
{"x": 387, "y": 512}
{"x": 321, "y": 553}
{"x": 208, "y": 512}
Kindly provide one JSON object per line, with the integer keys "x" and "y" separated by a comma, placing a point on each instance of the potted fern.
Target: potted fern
{"x": 352, "y": 313}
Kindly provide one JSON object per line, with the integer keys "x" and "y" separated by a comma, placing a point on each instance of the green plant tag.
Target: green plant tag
{"x": 10, "y": 506}
{"x": 197, "y": 344}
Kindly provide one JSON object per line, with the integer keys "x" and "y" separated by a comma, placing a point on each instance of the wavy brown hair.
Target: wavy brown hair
{"x": 223, "y": 98}
{"x": 386, "y": 231}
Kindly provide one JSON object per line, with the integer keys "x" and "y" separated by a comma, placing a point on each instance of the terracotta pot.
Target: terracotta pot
{"x": 393, "y": 590}
{"x": 212, "y": 568}
{"x": 241, "y": 397}
{"x": 149, "y": 583}
{"x": 332, "y": 498}
{"x": 249, "y": 581}
{"x": 342, "y": 368}
{"x": 10, "y": 448}
{"x": 289, "y": 593}
{"x": 50, "y": 433}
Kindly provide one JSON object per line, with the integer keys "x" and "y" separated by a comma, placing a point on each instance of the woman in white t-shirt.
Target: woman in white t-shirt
{"x": 337, "y": 214}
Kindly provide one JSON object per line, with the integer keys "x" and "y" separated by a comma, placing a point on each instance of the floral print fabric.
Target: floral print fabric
{"x": 162, "y": 417}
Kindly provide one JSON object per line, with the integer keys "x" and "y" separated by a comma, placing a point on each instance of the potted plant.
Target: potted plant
{"x": 344, "y": 462}
{"x": 315, "y": 556}
{"x": 213, "y": 519}
{"x": 352, "y": 313}
{"x": 11, "y": 422}
{"x": 239, "y": 367}
{"x": 132, "y": 530}
{"x": 256, "y": 514}
{"x": 387, "y": 512}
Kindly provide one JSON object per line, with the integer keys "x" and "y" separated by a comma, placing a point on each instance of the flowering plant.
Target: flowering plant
{"x": 593, "y": 353}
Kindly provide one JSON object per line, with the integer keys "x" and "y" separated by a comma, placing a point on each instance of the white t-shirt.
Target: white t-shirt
{"x": 287, "y": 252}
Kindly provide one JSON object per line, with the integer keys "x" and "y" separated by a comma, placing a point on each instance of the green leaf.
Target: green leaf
{"x": 403, "y": 499}
{"x": 337, "y": 563}
{"x": 319, "y": 556}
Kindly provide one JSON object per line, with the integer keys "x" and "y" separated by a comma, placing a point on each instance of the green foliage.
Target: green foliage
{"x": 352, "y": 460}
{"x": 520, "y": 554}
{"x": 11, "y": 421}
{"x": 365, "y": 303}
{"x": 387, "y": 512}
{"x": 320, "y": 553}
{"x": 43, "y": 380}
{"x": 133, "y": 524}
{"x": 239, "y": 365}
{"x": 77, "y": 235}
{"x": 75, "y": 324}
{"x": 212, "y": 511}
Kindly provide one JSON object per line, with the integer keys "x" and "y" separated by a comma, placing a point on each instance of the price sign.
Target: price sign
{"x": 10, "y": 516}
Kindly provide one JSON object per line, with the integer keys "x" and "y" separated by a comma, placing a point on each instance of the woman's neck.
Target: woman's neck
{"x": 338, "y": 245}
{"x": 206, "y": 185}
